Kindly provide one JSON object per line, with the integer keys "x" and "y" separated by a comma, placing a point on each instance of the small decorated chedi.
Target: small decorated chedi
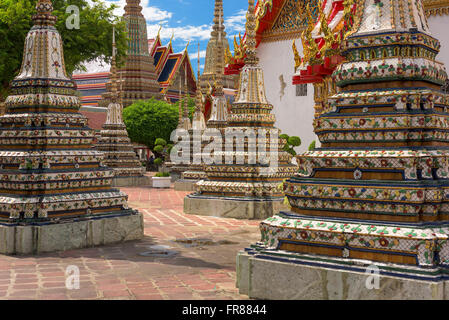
{"x": 139, "y": 73}
{"x": 114, "y": 141}
{"x": 243, "y": 185}
{"x": 195, "y": 171}
{"x": 378, "y": 188}
{"x": 49, "y": 170}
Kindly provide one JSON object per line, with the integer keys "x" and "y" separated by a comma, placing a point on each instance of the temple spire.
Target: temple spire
{"x": 219, "y": 55}
{"x": 133, "y": 7}
{"x": 114, "y": 95}
{"x": 198, "y": 122}
{"x": 251, "y": 56}
{"x": 138, "y": 72}
{"x": 218, "y": 36}
{"x": 219, "y": 113}
{"x": 187, "y": 124}
{"x": 218, "y": 26}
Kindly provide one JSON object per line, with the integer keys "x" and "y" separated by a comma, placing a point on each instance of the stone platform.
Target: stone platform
{"x": 280, "y": 275}
{"x": 185, "y": 185}
{"x": 142, "y": 181}
{"x": 232, "y": 207}
{"x": 73, "y": 234}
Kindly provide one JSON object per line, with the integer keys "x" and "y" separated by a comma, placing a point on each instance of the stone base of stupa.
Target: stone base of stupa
{"x": 137, "y": 181}
{"x": 176, "y": 171}
{"x": 185, "y": 185}
{"x": 39, "y": 238}
{"x": 281, "y": 275}
{"x": 236, "y": 208}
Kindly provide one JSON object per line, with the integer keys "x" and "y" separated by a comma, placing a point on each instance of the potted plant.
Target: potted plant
{"x": 162, "y": 180}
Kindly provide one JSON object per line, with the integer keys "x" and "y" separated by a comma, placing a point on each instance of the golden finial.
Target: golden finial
{"x": 298, "y": 59}
{"x": 188, "y": 43}
{"x": 159, "y": 31}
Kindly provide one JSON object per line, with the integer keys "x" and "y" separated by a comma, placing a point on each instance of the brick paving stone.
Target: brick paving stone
{"x": 119, "y": 272}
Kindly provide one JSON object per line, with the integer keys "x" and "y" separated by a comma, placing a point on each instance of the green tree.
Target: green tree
{"x": 151, "y": 119}
{"x": 292, "y": 142}
{"x": 312, "y": 146}
{"x": 162, "y": 151}
{"x": 93, "y": 39}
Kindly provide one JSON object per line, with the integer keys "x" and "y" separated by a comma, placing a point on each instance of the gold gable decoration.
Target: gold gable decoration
{"x": 436, "y": 7}
{"x": 292, "y": 19}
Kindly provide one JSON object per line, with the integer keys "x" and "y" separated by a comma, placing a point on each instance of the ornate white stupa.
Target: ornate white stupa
{"x": 52, "y": 183}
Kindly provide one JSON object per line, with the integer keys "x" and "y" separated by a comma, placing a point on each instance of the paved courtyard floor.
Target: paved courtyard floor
{"x": 203, "y": 270}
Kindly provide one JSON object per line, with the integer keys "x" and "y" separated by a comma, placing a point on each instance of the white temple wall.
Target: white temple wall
{"x": 294, "y": 115}
{"x": 439, "y": 26}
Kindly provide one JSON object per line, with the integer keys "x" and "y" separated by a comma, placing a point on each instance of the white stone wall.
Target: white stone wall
{"x": 439, "y": 26}
{"x": 294, "y": 115}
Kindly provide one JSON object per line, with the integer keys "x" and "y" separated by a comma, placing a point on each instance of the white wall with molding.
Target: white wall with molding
{"x": 294, "y": 115}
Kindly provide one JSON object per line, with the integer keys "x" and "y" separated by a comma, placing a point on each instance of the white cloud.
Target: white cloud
{"x": 150, "y": 13}
{"x": 184, "y": 33}
{"x": 236, "y": 23}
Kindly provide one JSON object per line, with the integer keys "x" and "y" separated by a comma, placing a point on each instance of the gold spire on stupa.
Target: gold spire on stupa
{"x": 198, "y": 122}
{"x": 251, "y": 53}
{"x": 211, "y": 61}
{"x": 186, "y": 120}
{"x": 219, "y": 112}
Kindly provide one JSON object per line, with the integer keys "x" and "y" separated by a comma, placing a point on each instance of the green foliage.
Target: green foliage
{"x": 160, "y": 142}
{"x": 158, "y": 149}
{"x": 292, "y": 142}
{"x": 92, "y": 40}
{"x": 158, "y": 161}
{"x": 149, "y": 120}
{"x": 162, "y": 174}
{"x": 312, "y": 145}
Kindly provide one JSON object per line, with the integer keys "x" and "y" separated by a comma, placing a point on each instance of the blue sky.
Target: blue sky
{"x": 189, "y": 20}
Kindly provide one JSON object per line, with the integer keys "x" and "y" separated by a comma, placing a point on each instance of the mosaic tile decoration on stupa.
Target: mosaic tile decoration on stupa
{"x": 378, "y": 189}
{"x": 251, "y": 110}
{"x": 114, "y": 141}
{"x": 48, "y": 169}
{"x": 138, "y": 75}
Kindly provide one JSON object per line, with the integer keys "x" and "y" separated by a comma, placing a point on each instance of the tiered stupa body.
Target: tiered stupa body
{"x": 245, "y": 189}
{"x": 210, "y": 65}
{"x": 138, "y": 75}
{"x": 195, "y": 170}
{"x": 49, "y": 172}
{"x": 378, "y": 188}
{"x": 114, "y": 142}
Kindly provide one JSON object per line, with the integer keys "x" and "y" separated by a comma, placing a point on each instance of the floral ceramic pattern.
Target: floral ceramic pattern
{"x": 422, "y": 242}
